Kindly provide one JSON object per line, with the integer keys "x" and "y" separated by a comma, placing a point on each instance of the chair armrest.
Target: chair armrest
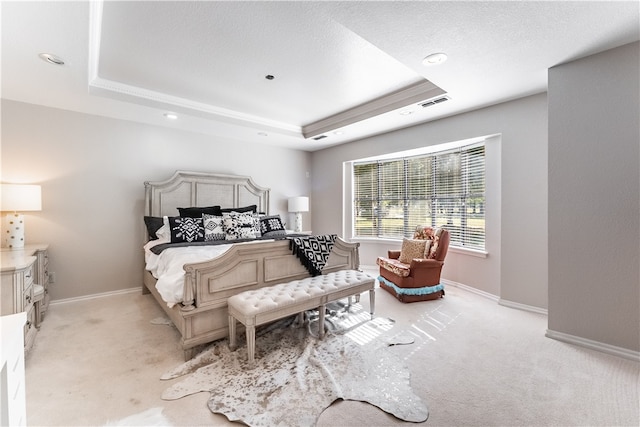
{"x": 426, "y": 272}
{"x": 393, "y": 254}
{"x": 421, "y": 263}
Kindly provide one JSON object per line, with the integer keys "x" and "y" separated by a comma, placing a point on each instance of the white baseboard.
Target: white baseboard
{"x": 524, "y": 307}
{"x": 100, "y": 295}
{"x": 594, "y": 345}
{"x": 473, "y": 290}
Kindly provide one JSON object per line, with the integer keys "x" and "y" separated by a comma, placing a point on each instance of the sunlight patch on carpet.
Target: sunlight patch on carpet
{"x": 296, "y": 376}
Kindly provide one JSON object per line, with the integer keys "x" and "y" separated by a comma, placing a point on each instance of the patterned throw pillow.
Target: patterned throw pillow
{"x": 411, "y": 249}
{"x": 427, "y": 248}
{"x": 238, "y": 226}
{"x": 434, "y": 246}
{"x": 184, "y": 229}
{"x": 256, "y": 224}
{"x": 213, "y": 227}
{"x": 271, "y": 226}
{"x": 431, "y": 234}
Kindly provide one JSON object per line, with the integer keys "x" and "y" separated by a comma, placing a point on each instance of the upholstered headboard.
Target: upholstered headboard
{"x": 185, "y": 189}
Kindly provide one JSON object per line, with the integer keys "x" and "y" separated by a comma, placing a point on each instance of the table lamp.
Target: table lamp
{"x": 298, "y": 205}
{"x": 17, "y": 198}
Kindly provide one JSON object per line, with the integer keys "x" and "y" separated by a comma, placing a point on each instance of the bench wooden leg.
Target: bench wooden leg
{"x": 251, "y": 342}
{"x": 372, "y": 301}
{"x": 232, "y": 333}
{"x": 321, "y": 310}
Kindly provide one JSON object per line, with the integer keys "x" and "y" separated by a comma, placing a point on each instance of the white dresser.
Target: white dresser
{"x": 13, "y": 410}
{"x": 25, "y": 286}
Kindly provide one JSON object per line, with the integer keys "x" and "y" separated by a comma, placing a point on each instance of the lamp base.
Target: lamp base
{"x": 13, "y": 231}
{"x": 298, "y": 222}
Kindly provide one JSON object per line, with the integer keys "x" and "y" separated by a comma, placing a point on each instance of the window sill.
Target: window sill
{"x": 455, "y": 249}
{"x": 466, "y": 251}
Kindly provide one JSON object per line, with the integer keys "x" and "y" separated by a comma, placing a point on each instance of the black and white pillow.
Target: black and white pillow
{"x": 241, "y": 209}
{"x": 272, "y": 226}
{"x": 153, "y": 223}
{"x": 256, "y": 224}
{"x": 238, "y": 226}
{"x": 197, "y": 212}
{"x": 185, "y": 229}
{"x": 213, "y": 227}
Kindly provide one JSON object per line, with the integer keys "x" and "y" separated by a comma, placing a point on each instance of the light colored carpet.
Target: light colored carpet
{"x": 473, "y": 362}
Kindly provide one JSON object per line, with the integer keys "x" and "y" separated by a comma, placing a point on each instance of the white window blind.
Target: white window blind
{"x": 441, "y": 189}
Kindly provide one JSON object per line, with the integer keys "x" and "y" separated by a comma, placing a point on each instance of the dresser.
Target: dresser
{"x": 13, "y": 408}
{"x": 25, "y": 286}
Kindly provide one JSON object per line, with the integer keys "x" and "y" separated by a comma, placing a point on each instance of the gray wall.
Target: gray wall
{"x": 594, "y": 198}
{"x": 516, "y": 267}
{"x": 92, "y": 171}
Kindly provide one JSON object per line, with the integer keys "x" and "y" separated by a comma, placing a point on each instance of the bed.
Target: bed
{"x": 201, "y": 314}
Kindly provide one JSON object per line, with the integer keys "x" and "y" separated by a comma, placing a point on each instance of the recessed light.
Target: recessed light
{"x": 405, "y": 112}
{"x": 51, "y": 59}
{"x": 338, "y": 132}
{"x": 434, "y": 59}
{"x": 171, "y": 116}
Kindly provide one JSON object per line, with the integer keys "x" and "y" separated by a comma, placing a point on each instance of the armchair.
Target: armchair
{"x": 413, "y": 273}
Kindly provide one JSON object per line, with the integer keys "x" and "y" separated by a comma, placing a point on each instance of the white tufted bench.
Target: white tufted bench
{"x": 254, "y": 308}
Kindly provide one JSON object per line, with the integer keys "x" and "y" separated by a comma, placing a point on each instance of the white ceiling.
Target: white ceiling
{"x": 332, "y": 62}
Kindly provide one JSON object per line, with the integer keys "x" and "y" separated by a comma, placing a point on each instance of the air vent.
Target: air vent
{"x": 434, "y": 101}
{"x": 319, "y": 137}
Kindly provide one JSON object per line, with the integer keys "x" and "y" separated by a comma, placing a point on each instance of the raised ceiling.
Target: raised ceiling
{"x": 342, "y": 70}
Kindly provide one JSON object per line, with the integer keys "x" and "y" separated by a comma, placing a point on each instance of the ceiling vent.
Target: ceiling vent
{"x": 317, "y": 138}
{"x": 434, "y": 101}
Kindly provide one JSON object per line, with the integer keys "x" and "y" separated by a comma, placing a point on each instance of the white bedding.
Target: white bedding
{"x": 168, "y": 266}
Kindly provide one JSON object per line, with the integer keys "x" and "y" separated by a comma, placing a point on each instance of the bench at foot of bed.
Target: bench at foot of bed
{"x": 264, "y": 305}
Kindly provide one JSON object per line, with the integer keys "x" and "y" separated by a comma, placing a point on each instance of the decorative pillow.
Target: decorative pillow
{"x": 197, "y": 212}
{"x": 427, "y": 248}
{"x": 244, "y": 209}
{"x": 434, "y": 246}
{"x": 164, "y": 232}
{"x": 256, "y": 224}
{"x": 238, "y": 226}
{"x": 185, "y": 229}
{"x": 424, "y": 232}
{"x": 153, "y": 224}
{"x": 213, "y": 227}
{"x": 411, "y": 249}
{"x": 271, "y": 226}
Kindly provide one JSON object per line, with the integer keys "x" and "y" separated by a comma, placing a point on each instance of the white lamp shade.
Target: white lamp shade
{"x": 21, "y": 197}
{"x": 299, "y": 204}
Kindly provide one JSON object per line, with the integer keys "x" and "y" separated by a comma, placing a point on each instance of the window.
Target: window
{"x": 392, "y": 196}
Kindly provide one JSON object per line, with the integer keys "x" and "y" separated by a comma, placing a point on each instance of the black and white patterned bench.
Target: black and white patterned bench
{"x": 260, "y": 306}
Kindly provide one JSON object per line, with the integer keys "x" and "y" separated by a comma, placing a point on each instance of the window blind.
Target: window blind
{"x": 441, "y": 189}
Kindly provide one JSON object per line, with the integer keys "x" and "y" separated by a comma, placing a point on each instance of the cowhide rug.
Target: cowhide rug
{"x": 296, "y": 376}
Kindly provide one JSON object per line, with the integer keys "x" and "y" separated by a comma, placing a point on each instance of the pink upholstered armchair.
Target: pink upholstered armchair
{"x": 413, "y": 273}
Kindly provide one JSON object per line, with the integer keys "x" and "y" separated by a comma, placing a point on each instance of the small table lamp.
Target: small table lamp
{"x": 17, "y": 197}
{"x": 298, "y": 205}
